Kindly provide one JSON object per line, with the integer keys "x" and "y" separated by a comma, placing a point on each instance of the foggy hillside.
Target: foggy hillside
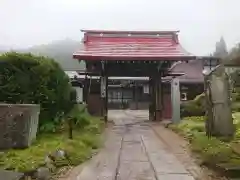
{"x": 61, "y": 51}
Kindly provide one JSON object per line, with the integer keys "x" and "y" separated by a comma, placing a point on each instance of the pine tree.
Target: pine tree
{"x": 221, "y": 49}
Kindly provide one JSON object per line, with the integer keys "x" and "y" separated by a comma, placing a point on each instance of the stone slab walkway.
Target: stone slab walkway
{"x": 133, "y": 152}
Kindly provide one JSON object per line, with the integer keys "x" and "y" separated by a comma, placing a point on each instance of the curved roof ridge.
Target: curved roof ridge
{"x": 131, "y": 31}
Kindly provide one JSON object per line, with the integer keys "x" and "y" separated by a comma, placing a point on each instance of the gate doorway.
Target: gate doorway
{"x": 128, "y": 94}
{"x": 119, "y": 98}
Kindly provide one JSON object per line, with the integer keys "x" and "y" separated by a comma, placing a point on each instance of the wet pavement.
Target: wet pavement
{"x": 133, "y": 151}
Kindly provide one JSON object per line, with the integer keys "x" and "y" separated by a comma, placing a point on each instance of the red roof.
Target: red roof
{"x": 131, "y": 45}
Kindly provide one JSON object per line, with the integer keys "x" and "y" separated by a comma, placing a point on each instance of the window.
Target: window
{"x": 183, "y": 96}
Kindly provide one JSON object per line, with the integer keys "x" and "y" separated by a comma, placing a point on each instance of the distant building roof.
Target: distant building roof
{"x": 192, "y": 71}
{"x": 131, "y": 45}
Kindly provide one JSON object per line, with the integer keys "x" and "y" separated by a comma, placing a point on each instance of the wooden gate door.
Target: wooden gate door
{"x": 167, "y": 102}
{"x": 167, "y": 107}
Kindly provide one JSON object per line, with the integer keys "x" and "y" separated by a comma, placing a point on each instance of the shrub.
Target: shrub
{"x": 212, "y": 150}
{"x": 189, "y": 126}
{"x": 190, "y": 108}
{"x": 235, "y": 97}
{"x": 30, "y": 79}
{"x": 236, "y": 106}
{"x": 200, "y": 99}
{"x": 79, "y": 116}
{"x": 194, "y": 107}
{"x": 235, "y": 79}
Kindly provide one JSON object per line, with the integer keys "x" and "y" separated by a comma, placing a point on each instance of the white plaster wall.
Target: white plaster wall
{"x": 79, "y": 94}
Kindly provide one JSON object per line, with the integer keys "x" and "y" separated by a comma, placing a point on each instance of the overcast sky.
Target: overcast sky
{"x": 201, "y": 23}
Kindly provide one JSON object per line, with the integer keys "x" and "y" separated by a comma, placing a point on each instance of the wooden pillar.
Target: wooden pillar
{"x": 136, "y": 95}
{"x": 158, "y": 98}
{"x": 104, "y": 91}
{"x": 106, "y": 99}
{"x": 151, "y": 99}
{"x": 122, "y": 89}
{"x": 86, "y": 89}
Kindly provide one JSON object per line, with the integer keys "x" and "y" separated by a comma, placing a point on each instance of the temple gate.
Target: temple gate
{"x": 133, "y": 54}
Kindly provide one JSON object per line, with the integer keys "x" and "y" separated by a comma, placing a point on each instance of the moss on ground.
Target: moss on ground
{"x": 80, "y": 148}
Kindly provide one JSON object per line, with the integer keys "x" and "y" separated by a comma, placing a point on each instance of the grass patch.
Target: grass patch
{"x": 212, "y": 151}
{"x": 80, "y": 148}
{"x": 189, "y": 126}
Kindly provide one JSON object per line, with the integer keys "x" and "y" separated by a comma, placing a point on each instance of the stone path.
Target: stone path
{"x": 133, "y": 152}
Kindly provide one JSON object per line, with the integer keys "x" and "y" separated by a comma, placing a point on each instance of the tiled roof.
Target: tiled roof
{"x": 131, "y": 45}
{"x": 192, "y": 71}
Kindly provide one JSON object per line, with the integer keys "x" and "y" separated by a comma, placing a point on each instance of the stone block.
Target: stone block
{"x": 18, "y": 125}
{"x": 10, "y": 175}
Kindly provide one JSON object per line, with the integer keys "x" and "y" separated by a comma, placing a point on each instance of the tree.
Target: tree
{"x": 221, "y": 49}
{"x": 234, "y": 53}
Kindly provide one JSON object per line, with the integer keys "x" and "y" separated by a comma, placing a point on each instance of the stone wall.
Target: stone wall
{"x": 18, "y": 125}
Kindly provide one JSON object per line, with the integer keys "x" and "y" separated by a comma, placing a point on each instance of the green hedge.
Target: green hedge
{"x": 236, "y": 101}
{"x": 30, "y": 79}
{"x": 194, "y": 107}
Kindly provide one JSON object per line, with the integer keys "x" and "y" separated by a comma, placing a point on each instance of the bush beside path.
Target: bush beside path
{"x": 212, "y": 152}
